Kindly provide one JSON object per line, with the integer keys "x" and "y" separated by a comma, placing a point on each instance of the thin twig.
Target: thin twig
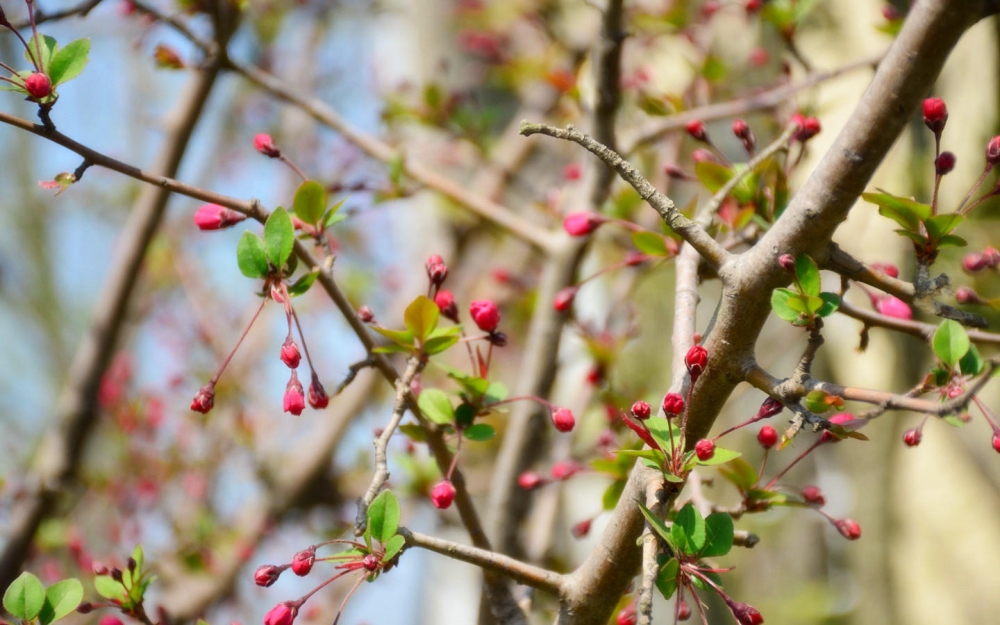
{"x": 918, "y": 329}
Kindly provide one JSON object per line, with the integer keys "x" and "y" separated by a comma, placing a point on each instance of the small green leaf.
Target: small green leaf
{"x": 25, "y": 597}
{"x": 817, "y": 402}
{"x": 49, "y": 47}
{"x": 713, "y": 175}
{"x": 139, "y": 556}
{"x": 383, "y": 516}
{"x": 689, "y": 530}
{"x": 831, "y": 302}
{"x": 781, "y": 307}
{"x": 971, "y": 363}
{"x": 331, "y": 216}
{"x": 657, "y": 525}
{"x": 951, "y": 240}
{"x": 414, "y": 432}
{"x": 279, "y": 237}
{"x": 304, "y": 283}
{"x": 950, "y": 342}
{"x": 721, "y": 456}
{"x": 69, "y": 61}
{"x": 666, "y": 579}
{"x": 421, "y": 317}
{"x": 309, "y": 202}
{"x": 661, "y": 429}
{"x": 61, "y": 598}
{"x": 718, "y": 535}
{"x": 940, "y": 225}
{"x": 436, "y": 406}
{"x": 393, "y": 547}
{"x": 907, "y": 213}
{"x": 109, "y": 588}
{"x": 496, "y": 392}
{"x": 650, "y": 243}
{"x": 403, "y": 338}
{"x": 480, "y": 432}
{"x": 439, "y": 344}
{"x": 808, "y": 275}
{"x": 250, "y": 256}
{"x": 740, "y": 474}
{"x": 465, "y": 414}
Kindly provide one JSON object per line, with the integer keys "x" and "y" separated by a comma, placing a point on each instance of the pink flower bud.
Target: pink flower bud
{"x": 266, "y": 575}
{"x": 365, "y": 314}
{"x": 973, "y": 262}
{"x": 912, "y": 437}
{"x": 696, "y": 128}
{"x": 840, "y": 418}
{"x": 768, "y": 409}
{"x": 370, "y": 562}
{"x": 700, "y": 156}
{"x": 944, "y": 163}
{"x": 264, "y": 144}
{"x": 572, "y": 171}
{"x": 704, "y": 449}
{"x": 696, "y": 361}
{"x": 752, "y": 6}
{"x": 996, "y": 442}
{"x": 759, "y": 57}
{"x": 110, "y": 620}
{"x": 86, "y": 607}
{"x": 281, "y": 614}
{"x": 813, "y": 495}
{"x": 744, "y": 614}
{"x": 445, "y": 301}
{"x": 935, "y": 114}
{"x": 563, "y": 419}
{"x": 809, "y": 127}
{"x": 683, "y": 610}
{"x": 564, "y": 470}
{"x": 993, "y": 151}
{"x": 204, "y": 399}
{"x": 767, "y": 437}
{"x": 437, "y": 270}
{"x": 582, "y": 528}
{"x": 294, "y": 400}
{"x": 529, "y": 480}
{"x": 710, "y": 8}
{"x": 564, "y": 299}
{"x": 486, "y": 314}
{"x": 38, "y": 86}
{"x": 890, "y": 13}
{"x": 582, "y": 223}
{"x": 787, "y": 262}
{"x": 673, "y": 404}
{"x": 290, "y": 353}
{"x": 215, "y": 217}
{"x": 302, "y": 562}
{"x": 627, "y": 616}
{"x": 641, "y": 410}
{"x": 443, "y": 494}
{"x": 741, "y": 129}
{"x": 894, "y": 307}
{"x": 675, "y": 172}
{"x": 966, "y": 295}
{"x": 848, "y": 528}
{"x": 887, "y": 268}
{"x": 318, "y": 398}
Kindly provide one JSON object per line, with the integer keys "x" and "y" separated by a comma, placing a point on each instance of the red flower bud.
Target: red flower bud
{"x": 204, "y": 399}
{"x": 641, "y": 410}
{"x": 365, "y": 314}
{"x": 266, "y": 575}
{"x": 752, "y": 6}
{"x": 294, "y": 400}
{"x": 993, "y": 151}
{"x": 944, "y": 163}
{"x": 302, "y": 562}
{"x": 445, "y": 301}
{"x": 696, "y": 128}
{"x": 264, "y": 144}
{"x": 529, "y": 480}
{"x": 848, "y": 528}
{"x": 443, "y": 494}
{"x": 768, "y": 409}
{"x": 38, "y": 86}
{"x": 741, "y": 129}
{"x": 673, "y": 404}
{"x": 787, "y": 262}
{"x": 838, "y": 419}
{"x": 894, "y": 307}
{"x": 935, "y": 114}
{"x": 996, "y": 442}
{"x": 486, "y": 314}
{"x": 564, "y": 299}
{"x": 215, "y": 217}
{"x": 281, "y": 614}
{"x": 683, "y": 610}
{"x": 370, "y": 562}
{"x": 564, "y": 470}
{"x": 290, "y": 353}
{"x": 582, "y": 223}
{"x": 700, "y": 156}
{"x": 85, "y": 608}
{"x": 912, "y": 437}
{"x": 759, "y": 57}
{"x": 582, "y": 528}
{"x": 745, "y": 614}
{"x": 887, "y": 268}
{"x": 675, "y": 172}
{"x": 809, "y": 127}
{"x": 696, "y": 361}
{"x": 704, "y": 449}
{"x": 437, "y": 270}
{"x": 563, "y": 419}
{"x": 318, "y": 398}
{"x": 110, "y": 620}
{"x": 813, "y": 495}
{"x": 966, "y": 295}
{"x": 572, "y": 171}
{"x": 767, "y": 437}
{"x": 628, "y": 615}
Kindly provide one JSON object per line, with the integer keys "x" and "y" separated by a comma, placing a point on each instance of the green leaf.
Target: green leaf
{"x": 436, "y": 406}
{"x": 804, "y": 304}
{"x": 61, "y": 598}
{"x": 950, "y": 342}
{"x": 740, "y": 474}
{"x": 139, "y": 556}
{"x": 650, "y": 243}
{"x": 109, "y": 588}
{"x": 666, "y": 579}
{"x": 304, "y": 283}
{"x": 612, "y": 494}
{"x": 713, "y": 175}
{"x": 831, "y": 302}
{"x": 940, "y": 225}
{"x": 658, "y": 526}
{"x": 250, "y": 256}
{"x": 951, "y": 240}
{"x": 721, "y": 456}
{"x": 480, "y": 432}
{"x": 403, "y": 338}
{"x": 383, "y": 516}
{"x": 971, "y": 363}
{"x": 25, "y": 597}
{"x": 279, "y": 237}
{"x": 907, "y": 213}
{"x": 816, "y": 402}
{"x": 718, "y": 535}
{"x": 69, "y": 61}
{"x": 496, "y": 392}
{"x": 309, "y": 202}
{"x": 688, "y": 530}
{"x": 808, "y": 275}
{"x": 421, "y": 317}
{"x": 49, "y": 47}
{"x": 465, "y": 414}
{"x": 393, "y": 547}
{"x": 414, "y": 432}
{"x": 661, "y": 430}
{"x": 781, "y": 307}
{"x": 438, "y": 344}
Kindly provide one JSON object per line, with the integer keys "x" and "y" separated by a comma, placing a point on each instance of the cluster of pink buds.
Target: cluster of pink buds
{"x": 809, "y": 127}
{"x": 975, "y": 262}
